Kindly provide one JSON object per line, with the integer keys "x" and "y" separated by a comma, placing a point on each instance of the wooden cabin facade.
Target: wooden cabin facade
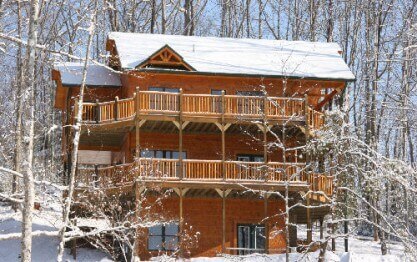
{"x": 219, "y": 145}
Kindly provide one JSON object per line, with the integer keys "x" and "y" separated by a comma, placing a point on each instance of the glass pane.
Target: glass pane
{"x": 171, "y": 229}
{"x": 175, "y": 155}
{"x": 171, "y": 243}
{"x": 216, "y": 92}
{"x": 155, "y": 230}
{"x": 260, "y": 238}
{"x": 258, "y": 159}
{"x": 159, "y": 89}
{"x": 243, "y": 158}
{"x": 155, "y": 242}
{"x": 159, "y": 154}
{"x": 172, "y": 90}
{"x": 243, "y": 237}
{"x": 147, "y": 153}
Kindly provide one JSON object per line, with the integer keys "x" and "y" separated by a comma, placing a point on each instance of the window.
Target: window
{"x": 163, "y": 237}
{"x": 164, "y": 89}
{"x": 167, "y": 154}
{"x": 250, "y": 158}
{"x": 250, "y": 239}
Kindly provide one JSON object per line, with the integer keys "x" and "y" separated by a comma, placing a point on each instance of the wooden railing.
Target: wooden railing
{"x": 200, "y": 105}
{"x": 203, "y": 170}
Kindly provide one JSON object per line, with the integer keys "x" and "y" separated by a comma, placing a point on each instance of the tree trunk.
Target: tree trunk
{"x": 28, "y": 131}
{"x": 76, "y": 138}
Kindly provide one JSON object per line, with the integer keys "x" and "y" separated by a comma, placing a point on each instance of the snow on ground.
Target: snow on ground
{"x": 45, "y": 247}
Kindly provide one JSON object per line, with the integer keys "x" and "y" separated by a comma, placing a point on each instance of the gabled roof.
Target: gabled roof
{"x": 97, "y": 75}
{"x": 231, "y": 56}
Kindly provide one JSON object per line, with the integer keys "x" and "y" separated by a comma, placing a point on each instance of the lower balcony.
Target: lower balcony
{"x": 207, "y": 174}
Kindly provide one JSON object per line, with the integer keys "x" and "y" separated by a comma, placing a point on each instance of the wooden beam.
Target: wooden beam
{"x": 177, "y": 124}
{"x": 326, "y": 99}
{"x": 185, "y": 124}
{"x": 141, "y": 122}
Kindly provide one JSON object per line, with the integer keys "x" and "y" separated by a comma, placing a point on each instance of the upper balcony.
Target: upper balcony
{"x": 165, "y": 106}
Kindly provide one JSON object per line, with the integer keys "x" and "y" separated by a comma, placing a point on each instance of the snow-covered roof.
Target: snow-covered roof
{"x": 238, "y": 56}
{"x": 97, "y": 75}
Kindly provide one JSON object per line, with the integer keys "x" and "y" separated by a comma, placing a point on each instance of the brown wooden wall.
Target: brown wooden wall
{"x": 203, "y": 84}
{"x": 198, "y": 146}
{"x": 205, "y": 217}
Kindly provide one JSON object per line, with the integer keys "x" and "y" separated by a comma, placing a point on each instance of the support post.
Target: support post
{"x": 223, "y": 222}
{"x": 266, "y": 224}
{"x": 180, "y": 105}
{"x": 265, "y": 132}
{"x": 309, "y": 226}
{"x": 307, "y": 114}
{"x": 116, "y": 108}
{"x": 181, "y": 225}
{"x": 223, "y": 138}
{"x": 137, "y": 129}
{"x": 98, "y": 116}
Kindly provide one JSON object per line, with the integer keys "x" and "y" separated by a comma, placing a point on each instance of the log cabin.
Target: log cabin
{"x": 215, "y": 125}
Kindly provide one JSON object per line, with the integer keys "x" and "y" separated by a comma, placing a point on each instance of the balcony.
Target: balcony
{"x": 206, "y": 174}
{"x": 203, "y": 108}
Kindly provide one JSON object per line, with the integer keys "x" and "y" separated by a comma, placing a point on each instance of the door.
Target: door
{"x": 250, "y": 239}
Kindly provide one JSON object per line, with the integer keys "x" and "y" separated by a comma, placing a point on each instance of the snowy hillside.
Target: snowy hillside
{"x": 45, "y": 247}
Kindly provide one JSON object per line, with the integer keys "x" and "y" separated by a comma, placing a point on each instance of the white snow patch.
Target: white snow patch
{"x": 238, "y": 56}
{"x": 97, "y": 75}
{"x": 45, "y": 248}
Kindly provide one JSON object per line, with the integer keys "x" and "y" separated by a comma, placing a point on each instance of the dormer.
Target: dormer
{"x": 166, "y": 58}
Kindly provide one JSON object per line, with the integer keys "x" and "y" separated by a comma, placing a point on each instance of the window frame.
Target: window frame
{"x": 162, "y": 245}
{"x": 252, "y": 238}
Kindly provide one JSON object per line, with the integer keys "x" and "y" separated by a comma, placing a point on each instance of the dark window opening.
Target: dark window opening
{"x": 250, "y": 158}
{"x": 163, "y": 237}
{"x": 250, "y": 239}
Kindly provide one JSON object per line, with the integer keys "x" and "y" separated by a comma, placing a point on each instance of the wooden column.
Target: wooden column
{"x": 180, "y": 105}
{"x": 223, "y": 221}
{"x": 309, "y": 225}
{"x": 137, "y": 108}
{"x": 98, "y": 113}
{"x": 266, "y": 224}
{"x": 181, "y": 224}
{"x": 116, "y": 108}
{"x": 265, "y": 133}
{"x": 223, "y": 138}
